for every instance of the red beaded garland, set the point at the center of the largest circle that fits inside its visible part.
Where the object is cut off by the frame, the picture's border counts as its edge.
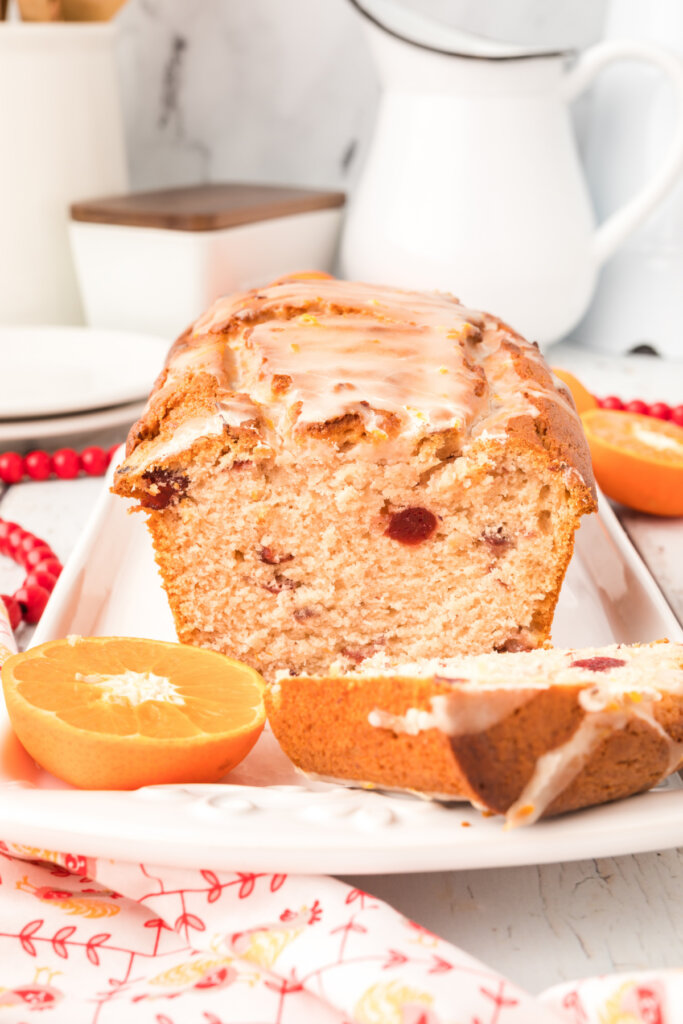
(36, 556)
(32, 601)
(37, 465)
(11, 468)
(661, 411)
(637, 406)
(13, 540)
(41, 578)
(51, 565)
(94, 460)
(611, 402)
(43, 566)
(64, 463)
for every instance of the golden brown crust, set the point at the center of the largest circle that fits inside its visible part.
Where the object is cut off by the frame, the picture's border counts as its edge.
(322, 726)
(554, 430)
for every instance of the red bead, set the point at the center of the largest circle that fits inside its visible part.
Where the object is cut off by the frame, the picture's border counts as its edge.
(66, 463)
(37, 465)
(35, 556)
(677, 415)
(611, 402)
(32, 601)
(94, 460)
(637, 405)
(660, 410)
(11, 468)
(28, 543)
(13, 610)
(14, 541)
(41, 578)
(6, 528)
(51, 565)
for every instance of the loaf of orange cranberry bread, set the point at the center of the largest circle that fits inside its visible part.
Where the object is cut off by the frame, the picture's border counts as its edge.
(526, 735)
(333, 469)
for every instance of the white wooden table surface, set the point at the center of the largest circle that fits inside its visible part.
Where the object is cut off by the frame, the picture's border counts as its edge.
(538, 924)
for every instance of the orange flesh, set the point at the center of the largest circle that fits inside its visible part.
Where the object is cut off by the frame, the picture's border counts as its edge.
(637, 460)
(119, 713)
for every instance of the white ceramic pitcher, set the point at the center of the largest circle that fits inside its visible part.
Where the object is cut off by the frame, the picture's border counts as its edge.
(473, 182)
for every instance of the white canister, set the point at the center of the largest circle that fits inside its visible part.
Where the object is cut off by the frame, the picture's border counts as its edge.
(154, 261)
(62, 137)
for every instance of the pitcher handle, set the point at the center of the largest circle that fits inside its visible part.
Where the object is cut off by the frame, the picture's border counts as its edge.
(619, 225)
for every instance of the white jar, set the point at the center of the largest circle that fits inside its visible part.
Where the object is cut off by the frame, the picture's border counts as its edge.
(154, 261)
(62, 132)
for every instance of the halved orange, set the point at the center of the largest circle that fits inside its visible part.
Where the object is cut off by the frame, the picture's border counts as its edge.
(583, 400)
(637, 460)
(119, 713)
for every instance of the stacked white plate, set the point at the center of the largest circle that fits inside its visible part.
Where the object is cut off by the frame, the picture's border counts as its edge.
(64, 381)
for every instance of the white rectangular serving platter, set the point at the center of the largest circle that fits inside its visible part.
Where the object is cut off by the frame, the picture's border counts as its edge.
(268, 817)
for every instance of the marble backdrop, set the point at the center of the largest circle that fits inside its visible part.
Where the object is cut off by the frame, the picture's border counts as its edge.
(259, 90)
(281, 90)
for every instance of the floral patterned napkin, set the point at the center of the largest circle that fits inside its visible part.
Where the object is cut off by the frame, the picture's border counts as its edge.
(176, 946)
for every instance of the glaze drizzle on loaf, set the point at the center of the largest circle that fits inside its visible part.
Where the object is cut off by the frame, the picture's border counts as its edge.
(344, 362)
(358, 349)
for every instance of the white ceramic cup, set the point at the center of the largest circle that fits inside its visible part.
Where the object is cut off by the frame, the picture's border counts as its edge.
(61, 139)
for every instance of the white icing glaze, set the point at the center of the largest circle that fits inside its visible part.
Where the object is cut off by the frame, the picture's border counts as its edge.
(556, 769)
(232, 411)
(237, 410)
(355, 364)
(413, 722)
(185, 435)
(314, 351)
(461, 713)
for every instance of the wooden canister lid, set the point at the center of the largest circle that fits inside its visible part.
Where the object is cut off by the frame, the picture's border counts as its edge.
(204, 207)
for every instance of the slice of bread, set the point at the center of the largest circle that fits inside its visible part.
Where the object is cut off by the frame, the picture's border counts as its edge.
(526, 735)
(332, 469)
